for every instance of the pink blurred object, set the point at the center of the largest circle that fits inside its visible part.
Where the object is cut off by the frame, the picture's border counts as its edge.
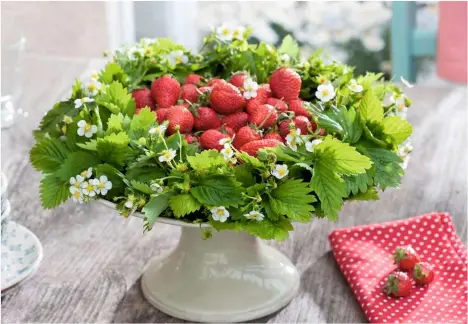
(452, 41)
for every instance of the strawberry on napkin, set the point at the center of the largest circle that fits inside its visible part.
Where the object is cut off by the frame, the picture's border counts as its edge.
(365, 257)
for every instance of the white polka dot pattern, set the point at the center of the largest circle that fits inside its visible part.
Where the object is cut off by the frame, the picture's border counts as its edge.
(364, 255)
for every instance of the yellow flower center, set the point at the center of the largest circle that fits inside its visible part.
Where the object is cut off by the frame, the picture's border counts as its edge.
(228, 150)
(64, 129)
(293, 132)
(401, 107)
(101, 185)
(323, 80)
(90, 187)
(407, 150)
(148, 51)
(178, 59)
(86, 127)
(235, 33)
(325, 92)
(225, 31)
(94, 75)
(76, 185)
(281, 171)
(77, 194)
(91, 87)
(220, 212)
(167, 154)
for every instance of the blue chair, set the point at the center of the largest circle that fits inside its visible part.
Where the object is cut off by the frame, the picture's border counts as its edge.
(407, 41)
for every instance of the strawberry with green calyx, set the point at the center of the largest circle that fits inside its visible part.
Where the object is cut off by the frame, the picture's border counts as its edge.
(203, 95)
(245, 135)
(264, 116)
(279, 104)
(180, 118)
(226, 99)
(235, 120)
(406, 257)
(238, 79)
(423, 273)
(193, 79)
(161, 114)
(210, 139)
(204, 118)
(263, 93)
(143, 98)
(299, 107)
(275, 136)
(300, 122)
(285, 84)
(227, 130)
(190, 138)
(188, 92)
(214, 81)
(165, 91)
(252, 148)
(398, 284)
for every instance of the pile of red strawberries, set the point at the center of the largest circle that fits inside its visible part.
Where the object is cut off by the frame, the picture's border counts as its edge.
(399, 283)
(207, 111)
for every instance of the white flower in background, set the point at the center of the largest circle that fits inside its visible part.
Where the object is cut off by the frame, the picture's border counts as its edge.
(401, 108)
(405, 149)
(227, 152)
(167, 155)
(238, 33)
(129, 204)
(406, 82)
(149, 41)
(93, 87)
(285, 58)
(293, 138)
(325, 92)
(280, 171)
(250, 88)
(254, 215)
(224, 33)
(94, 75)
(88, 188)
(158, 129)
(77, 194)
(76, 181)
(310, 145)
(87, 173)
(135, 52)
(225, 141)
(354, 86)
(80, 102)
(156, 188)
(85, 129)
(102, 185)
(219, 214)
(176, 57)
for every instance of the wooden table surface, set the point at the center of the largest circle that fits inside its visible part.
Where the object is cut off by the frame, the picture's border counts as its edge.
(93, 259)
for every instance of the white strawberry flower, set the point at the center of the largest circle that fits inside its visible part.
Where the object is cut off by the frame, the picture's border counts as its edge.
(225, 141)
(149, 41)
(227, 152)
(102, 185)
(401, 108)
(224, 33)
(87, 188)
(80, 102)
(158, 129)
(87, 173)
(406, 82)
(310, 145)
(255, 215)
(293, 138)
(76, 181)
(129, 204)
(85, 129)
(354, 86)
(219, 214)
(405, 149)
(94, 75)
(77, 194)
(325, 92)
(250, 88)
(93, 87)
(135, 52)
(285, 58)
(176, 57)
(167, 155)
(156, 188)
(280, 171)
(238, 33)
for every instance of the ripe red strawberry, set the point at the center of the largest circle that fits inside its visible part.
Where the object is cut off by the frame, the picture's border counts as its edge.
(189, 92)
(285, 84)
(279, 104)
(214, 81)
(399, 284)
(190, 138)
(205, 89)
(181, 117)
(263, 93)
(143, 98)
(210, 139)
(226, 99)
(423, 273)
(264, 116)
(298, 107)
(193, 79)
(238, 79)
(165, 91)
(227, 130)
(161, 114)
(274, 136)
(235, 120)
(252, 148)
(245, 135)
(300, 122)
(406, 257)
(205, 118)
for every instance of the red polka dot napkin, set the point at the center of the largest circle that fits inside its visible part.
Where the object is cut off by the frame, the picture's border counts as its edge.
(364, 255)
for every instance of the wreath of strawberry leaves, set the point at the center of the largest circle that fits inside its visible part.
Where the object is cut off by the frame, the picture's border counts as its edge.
(119, 151)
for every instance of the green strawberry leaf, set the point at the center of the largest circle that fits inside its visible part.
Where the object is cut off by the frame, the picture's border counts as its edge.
(358, 182)
(206, 160)
(143, 187)
(114, 149)
(113, 72)
(244, 174)
(155, 207)
(117, 100)
(345, 122)
(370, 108)
(289, 46)
(145, 174)
(268, 229)
(370, 194)
(76, 163)
(183, 204)
(386, 167)
(397, 128)
(218, 190)
(48, 154)
(53, 191)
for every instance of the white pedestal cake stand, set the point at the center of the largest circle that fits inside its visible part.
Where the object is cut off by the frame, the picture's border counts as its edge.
(231, 277)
